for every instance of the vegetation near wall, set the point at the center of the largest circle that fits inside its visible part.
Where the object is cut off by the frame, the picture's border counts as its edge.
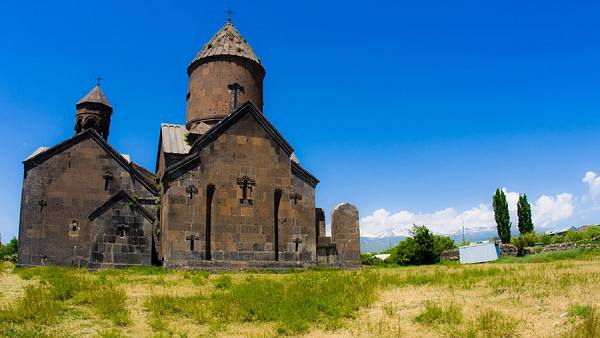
(8, 251)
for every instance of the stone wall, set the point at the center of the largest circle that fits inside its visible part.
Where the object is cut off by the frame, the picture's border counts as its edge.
(508, 250)
(209, 95)
(242, 224)
(568, 246)
(345, 233)
(451, 255)
(60, 193)
(121, 236)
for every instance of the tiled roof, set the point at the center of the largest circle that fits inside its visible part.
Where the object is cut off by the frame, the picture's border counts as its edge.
(96, 96)
(227, 41)
(173, 138)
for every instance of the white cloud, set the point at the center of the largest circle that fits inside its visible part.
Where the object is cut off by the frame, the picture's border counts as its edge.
(445, 221)
(546, 211)
(592, 180)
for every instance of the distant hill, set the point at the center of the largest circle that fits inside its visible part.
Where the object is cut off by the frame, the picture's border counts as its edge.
(378, 244)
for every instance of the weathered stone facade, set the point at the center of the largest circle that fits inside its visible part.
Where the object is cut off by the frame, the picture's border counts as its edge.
(229, 192)
(62, 187)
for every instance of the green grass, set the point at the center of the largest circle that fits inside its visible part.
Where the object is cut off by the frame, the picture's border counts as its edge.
(587, 322)
(578, 310)
(546, 257)
(223, 282)
(489, 323)
(293, 303)
(27, 316)
(435, 314)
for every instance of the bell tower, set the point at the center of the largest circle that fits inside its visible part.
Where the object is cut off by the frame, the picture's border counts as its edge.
(225, 74)
(93, 112)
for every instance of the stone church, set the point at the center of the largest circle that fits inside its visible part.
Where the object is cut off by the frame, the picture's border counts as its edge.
(227, 192)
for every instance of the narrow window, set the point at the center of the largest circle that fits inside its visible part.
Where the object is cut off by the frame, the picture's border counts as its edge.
(210, 191)
(107, 177)
(276, 200)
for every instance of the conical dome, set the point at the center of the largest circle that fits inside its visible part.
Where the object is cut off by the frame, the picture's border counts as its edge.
(95, 96)
(227, 41)
(223, 75)
(93, 112)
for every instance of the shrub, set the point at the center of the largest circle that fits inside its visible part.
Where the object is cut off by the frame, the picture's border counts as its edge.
(418, 249)
(546, 239)
(442, 243)
(370, 259)
(525, 240)
(9, 251)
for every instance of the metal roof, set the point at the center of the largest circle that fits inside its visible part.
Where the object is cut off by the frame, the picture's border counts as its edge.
(173, 138)
(227, 41)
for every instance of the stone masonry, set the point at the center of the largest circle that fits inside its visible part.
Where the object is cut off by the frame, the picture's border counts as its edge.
(228, 193)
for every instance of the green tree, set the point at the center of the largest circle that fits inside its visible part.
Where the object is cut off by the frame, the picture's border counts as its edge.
(9, 251)
(442, 243)
(524, 213)
(416, 250)
(501, 215)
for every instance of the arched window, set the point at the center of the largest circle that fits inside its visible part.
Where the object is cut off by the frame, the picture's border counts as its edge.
(210, 191)
(276, 200)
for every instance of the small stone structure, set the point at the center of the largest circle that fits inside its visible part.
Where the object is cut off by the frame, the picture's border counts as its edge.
(568, 245)
(450, 255)
(345, 233)
(508, 250)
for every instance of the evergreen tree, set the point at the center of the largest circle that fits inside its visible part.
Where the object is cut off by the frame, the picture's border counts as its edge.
(501, 215)
(524, 213)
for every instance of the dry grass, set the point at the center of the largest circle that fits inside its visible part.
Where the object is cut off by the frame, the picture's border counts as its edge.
(512, 299)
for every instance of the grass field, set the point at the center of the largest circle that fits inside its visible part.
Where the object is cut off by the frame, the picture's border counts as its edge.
(547, 295)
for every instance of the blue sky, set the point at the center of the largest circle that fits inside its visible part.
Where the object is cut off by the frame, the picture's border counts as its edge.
(413, 111)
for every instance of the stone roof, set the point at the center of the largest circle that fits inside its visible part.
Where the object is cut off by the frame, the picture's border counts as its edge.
(227, 41)
(95, 96)
(173, 138)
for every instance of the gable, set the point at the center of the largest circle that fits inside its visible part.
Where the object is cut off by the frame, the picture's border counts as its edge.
(247, 108)
(143, 176)
(118, 197)
(247, 112)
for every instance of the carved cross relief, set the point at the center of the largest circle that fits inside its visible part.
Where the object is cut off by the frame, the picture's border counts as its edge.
(296, 197)
(42, 204)
(297, 241)
(191, 190)
(192, 238)
(235, 89)
(246, 185)
(122, 230)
